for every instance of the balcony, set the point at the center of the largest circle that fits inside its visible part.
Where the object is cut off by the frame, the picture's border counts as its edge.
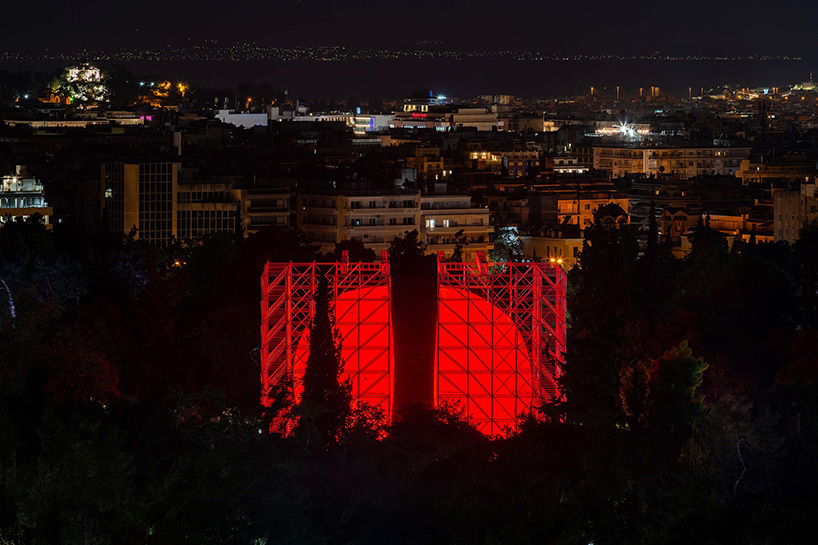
(268, 210)
(452, 229)
(391, 211)
(382, 225)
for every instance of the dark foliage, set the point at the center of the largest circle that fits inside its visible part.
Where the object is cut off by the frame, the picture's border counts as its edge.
(129, 405)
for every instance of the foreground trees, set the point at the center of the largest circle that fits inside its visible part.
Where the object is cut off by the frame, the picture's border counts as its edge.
(129, 407)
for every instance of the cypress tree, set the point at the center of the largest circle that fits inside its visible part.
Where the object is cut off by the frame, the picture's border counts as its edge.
(325, 402)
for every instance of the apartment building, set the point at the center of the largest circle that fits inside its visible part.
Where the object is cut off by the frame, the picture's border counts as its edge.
(560, 246)
(428, 163)
(377, 217)
(756, 172)
(581, 209)
(793, 208)
(22, 196)
(266, 207)
(141, 197)
(517, 163)
(682, 162)
(481, 119)
(208, 208)
(373, 217)
(151, 200)
(444, 216)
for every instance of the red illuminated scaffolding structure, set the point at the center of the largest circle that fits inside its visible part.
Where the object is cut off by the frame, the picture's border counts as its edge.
(500, 338)
(360, 296)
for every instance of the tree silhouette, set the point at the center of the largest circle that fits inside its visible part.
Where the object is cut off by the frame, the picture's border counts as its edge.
(325, 402)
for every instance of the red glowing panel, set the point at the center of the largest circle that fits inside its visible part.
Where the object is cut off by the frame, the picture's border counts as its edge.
(363, 320)
(482, 363)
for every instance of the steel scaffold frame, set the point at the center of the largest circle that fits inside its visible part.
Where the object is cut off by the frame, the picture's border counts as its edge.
(287, 308)
(488, 376)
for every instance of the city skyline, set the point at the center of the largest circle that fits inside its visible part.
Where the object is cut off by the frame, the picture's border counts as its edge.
(387, 272)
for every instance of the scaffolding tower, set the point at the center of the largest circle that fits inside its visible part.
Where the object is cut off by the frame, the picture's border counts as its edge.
(360, 296)
(500, 339)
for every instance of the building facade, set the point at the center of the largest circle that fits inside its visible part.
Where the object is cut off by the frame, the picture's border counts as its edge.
(22, 196)
(756, 172)
(141, 198)
(208, 208)
(150, 200)
(375, 218)
(793, 208)
(449, 220)
(372, 217)
(682, 162)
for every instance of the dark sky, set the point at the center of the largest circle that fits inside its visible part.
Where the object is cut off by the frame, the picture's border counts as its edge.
(784, 27)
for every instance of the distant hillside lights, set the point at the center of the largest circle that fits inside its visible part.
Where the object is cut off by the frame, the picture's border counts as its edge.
(81, 86)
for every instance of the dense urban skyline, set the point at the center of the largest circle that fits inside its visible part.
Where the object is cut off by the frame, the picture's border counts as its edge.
(504, 273)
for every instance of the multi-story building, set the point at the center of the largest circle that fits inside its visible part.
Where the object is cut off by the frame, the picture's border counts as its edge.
(22, 196)
(444, 217)
(438, 119)
(479, 118)
(793, 208)
(364, 123)
(756, 172)
(150, 200)
(576, 203)
(522, 162)
(428, 163)
(564, 164)
(689, 162)
(141, 197)
(266, 207)
(372, 217)
(376, 217)
(683, 162)
(208, 208)
(581, 209)
(742, 226)
(561, 246)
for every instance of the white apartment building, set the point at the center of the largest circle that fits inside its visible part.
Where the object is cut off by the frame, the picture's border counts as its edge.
(376, 218)
(682, 162)
(22, 196)
(364, 123)
(444, 216)
(479, 118)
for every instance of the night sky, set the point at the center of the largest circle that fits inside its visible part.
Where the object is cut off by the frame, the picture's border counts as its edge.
(592, 26)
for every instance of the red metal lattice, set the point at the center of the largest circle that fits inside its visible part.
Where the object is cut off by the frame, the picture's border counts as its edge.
(360, 301)
(500, 338)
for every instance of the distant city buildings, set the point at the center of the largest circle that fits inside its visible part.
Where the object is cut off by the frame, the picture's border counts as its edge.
(22, 196)
(682, 161)
(466, 174)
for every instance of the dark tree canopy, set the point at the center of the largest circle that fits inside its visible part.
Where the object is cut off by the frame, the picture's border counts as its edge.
(325, 401)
